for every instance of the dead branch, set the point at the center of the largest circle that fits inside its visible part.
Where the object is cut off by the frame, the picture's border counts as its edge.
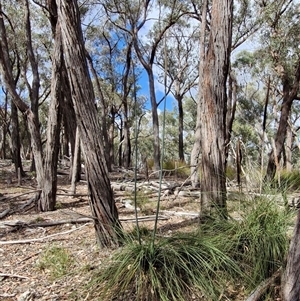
(17, 196)
(261, 289)
(13, 276)
(41, 239)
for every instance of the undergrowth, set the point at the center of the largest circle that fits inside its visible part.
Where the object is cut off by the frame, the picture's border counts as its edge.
(199, 265)
(56, 260)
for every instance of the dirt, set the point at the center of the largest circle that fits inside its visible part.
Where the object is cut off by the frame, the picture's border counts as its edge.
(21, 276)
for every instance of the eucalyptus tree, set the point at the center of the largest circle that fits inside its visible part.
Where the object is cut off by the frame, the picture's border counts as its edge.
(46, 180)
(106, 222)
(281, 32)
(212, 104)
(180, 57)
(133, 17)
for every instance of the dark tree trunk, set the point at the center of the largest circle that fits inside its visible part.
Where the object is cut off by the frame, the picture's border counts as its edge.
(180, 130)
(213, 104)
(107, 225)
(290, 279)
(15, 140)
(126, 144)
(4, 128)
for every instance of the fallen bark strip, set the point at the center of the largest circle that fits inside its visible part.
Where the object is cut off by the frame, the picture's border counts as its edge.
(41, 239)
(13, 276)
(262, 288)
(4, 213)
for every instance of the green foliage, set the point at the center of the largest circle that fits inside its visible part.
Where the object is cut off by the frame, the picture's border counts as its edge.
(56, 260)
(260, 241)
(178, 168)
(289, 180)
(175, 268)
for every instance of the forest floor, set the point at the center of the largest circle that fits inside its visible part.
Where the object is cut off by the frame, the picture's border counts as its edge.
(25, 276)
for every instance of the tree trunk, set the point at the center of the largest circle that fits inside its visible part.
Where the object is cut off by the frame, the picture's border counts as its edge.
(4, 130)
(180, 130)
(107, 225)
(288, 150)
(47, 200)
(15, 140)
(290, 279)
(213, 104)
(155, 121)
(289, 93)
(197, 144)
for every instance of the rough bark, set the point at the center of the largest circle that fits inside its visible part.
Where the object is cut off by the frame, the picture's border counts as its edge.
(290, 279)
(47, 200)
(213, 104)
(107, 225)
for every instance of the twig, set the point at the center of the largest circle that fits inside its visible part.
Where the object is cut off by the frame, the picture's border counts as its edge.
(26, 241)
(13, 276)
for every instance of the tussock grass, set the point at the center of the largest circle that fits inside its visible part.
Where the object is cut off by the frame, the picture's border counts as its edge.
(261, 238)
(174, 268)
(56, 260)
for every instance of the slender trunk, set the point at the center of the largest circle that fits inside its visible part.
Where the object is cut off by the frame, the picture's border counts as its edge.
(4, 129)
(111, 138)
(107, 225)
(15, 140)
(288, 150)
(155, 121)
(102, 110)
(197, 144)
(126, 144)
(180, 130)
(75, 162)
(47, 200)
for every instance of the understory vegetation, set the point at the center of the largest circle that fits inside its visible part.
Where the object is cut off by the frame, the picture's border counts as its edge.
(217, 260)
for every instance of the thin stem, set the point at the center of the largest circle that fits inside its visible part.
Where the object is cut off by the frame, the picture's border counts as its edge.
(163, 142)
(136, 156)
